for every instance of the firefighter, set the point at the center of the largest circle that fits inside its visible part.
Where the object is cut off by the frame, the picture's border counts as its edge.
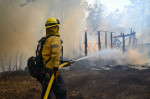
(51, 54)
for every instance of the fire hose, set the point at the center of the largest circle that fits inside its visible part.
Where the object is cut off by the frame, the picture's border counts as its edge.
(52, 77)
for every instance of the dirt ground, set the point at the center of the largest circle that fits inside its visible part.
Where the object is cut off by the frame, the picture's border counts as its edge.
(82, 83)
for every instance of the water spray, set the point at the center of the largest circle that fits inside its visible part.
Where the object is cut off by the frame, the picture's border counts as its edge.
(82, 58)
(105, 54)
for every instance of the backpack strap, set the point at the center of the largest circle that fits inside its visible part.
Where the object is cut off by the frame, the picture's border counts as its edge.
(42, 40)
(42, 48)
(47, 61)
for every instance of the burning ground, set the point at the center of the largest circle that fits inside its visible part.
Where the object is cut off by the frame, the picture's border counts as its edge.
(120, 82)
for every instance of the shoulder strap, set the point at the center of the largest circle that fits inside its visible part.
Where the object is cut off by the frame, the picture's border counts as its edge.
(42, 41)
(42, 48)
(47, 37)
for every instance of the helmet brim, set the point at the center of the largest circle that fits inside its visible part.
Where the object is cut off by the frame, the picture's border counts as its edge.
(52, 25)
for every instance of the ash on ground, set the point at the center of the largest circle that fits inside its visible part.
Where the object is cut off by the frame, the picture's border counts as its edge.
(83, 82)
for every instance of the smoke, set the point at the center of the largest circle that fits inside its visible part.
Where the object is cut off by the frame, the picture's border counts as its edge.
(135, 16)
(20, 29)
(22, 25)
(145, 36)
(1, 1)
(117, 57)
(137, 57)
(94, 18)
(71, 32)
(27, 1)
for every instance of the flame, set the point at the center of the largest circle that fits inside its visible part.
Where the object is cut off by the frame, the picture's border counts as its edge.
(92, 47)
(85, 29)
(133, 52)
(137, 58)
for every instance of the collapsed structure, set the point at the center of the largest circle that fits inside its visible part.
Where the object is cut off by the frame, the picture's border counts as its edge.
(122, 41)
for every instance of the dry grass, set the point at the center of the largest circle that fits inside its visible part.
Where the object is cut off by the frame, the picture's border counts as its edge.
(82, 83)
(19, 85)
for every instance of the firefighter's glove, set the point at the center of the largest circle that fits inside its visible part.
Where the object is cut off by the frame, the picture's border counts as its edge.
(56, 72)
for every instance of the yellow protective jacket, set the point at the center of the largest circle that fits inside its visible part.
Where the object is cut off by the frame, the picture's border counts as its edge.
(52, 48)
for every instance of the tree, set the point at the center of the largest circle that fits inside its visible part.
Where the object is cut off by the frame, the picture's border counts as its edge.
(94, 15)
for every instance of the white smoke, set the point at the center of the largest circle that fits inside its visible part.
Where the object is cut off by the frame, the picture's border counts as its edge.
(22, 25)
(117, 57)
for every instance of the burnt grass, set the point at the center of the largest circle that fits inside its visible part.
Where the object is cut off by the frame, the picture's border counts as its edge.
(82, 83)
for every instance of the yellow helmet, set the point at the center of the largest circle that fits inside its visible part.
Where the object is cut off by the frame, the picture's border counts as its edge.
(51, 22)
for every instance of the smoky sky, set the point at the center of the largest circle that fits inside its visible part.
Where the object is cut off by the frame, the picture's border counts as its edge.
(27, 1)
(22, 26)
(135, 16)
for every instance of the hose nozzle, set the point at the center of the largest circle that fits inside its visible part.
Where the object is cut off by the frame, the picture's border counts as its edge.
(71, 62)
